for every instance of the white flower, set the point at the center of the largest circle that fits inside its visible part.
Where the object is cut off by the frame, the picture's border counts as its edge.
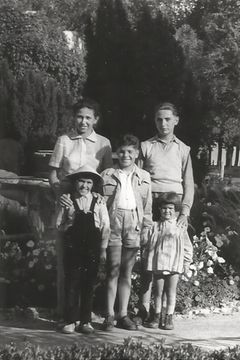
(31, 264)
(49, 267)
(214, 256)
(221, 260)
(189, 273)
(207, 229)
(196, 283)
(209, 263)
(36, 252)
(209, 204)
(210, 270)
(41, 287)
(231, 282)
(193, 267)
(30, 244)
(200, 265)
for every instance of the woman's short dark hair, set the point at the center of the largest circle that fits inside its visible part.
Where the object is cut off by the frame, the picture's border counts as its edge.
(88, 103)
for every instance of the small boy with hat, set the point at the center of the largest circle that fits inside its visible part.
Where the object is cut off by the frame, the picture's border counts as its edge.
(86, 229)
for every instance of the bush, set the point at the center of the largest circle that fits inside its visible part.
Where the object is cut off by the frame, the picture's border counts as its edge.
(129, 350)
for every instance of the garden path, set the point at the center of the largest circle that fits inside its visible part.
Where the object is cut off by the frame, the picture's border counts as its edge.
(209, 332)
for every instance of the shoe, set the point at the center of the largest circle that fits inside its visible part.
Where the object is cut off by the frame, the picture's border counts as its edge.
(86, 328)
(68, 328)
(108, 323)
(126, 323)
(162, 318)
(154, 323)
(169, 322)
(142, 316)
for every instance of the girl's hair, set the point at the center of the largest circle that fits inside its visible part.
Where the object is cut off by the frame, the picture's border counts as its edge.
(169, 198)
(128, 140)
(88, 103)
(166, 106)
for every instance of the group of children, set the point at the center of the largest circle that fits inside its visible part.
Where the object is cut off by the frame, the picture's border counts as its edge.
(143, 207)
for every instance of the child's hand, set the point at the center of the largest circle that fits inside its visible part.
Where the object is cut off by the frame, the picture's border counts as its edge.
(99, 197)
(144, 238)
(65, 201)
(182, 221)
(103, 256)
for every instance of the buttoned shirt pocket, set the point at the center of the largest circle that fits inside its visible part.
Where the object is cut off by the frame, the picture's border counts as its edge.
(143, 188)
(109, 187)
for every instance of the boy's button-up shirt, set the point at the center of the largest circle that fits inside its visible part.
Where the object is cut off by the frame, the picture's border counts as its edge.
(72, 151)
(141, 185)
(126, 197)
(170, 168)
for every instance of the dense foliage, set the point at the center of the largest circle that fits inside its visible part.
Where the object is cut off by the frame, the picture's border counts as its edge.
(29, 41)
(129, 350)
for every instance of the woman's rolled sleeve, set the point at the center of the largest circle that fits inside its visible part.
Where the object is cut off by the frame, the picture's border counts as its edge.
(57, 155)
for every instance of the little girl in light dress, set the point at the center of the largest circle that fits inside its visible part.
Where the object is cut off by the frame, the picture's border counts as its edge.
(168, 254)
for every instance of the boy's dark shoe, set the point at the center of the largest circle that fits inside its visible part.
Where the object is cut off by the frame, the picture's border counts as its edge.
(154, 323)
(85, 328)
(142, 316)
(169, 322)
(108, 323)
(126, 323)
(163, 318)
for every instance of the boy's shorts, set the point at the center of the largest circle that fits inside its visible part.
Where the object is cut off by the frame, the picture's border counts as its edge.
(125, 229)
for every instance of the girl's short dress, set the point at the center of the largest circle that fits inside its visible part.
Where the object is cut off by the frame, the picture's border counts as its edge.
(165, 250)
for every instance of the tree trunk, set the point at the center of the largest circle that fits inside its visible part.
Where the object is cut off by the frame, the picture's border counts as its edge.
(229, 155)
(219, 153)
(237, 155)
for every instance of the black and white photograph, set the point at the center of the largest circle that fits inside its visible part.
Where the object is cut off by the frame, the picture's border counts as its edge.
(119, 179)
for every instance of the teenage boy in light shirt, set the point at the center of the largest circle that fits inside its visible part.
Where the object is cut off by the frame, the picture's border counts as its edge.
(127, 190)
(168, 161)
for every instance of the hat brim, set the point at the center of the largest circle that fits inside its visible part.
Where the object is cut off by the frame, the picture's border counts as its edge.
(97, 179)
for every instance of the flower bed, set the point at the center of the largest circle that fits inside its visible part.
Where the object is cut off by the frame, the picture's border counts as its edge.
(129, 350)
(28, 270)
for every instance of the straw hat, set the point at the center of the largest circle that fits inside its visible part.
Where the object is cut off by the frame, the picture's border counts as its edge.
(87, 172)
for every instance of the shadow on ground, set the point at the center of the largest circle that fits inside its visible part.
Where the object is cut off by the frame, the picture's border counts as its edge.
(211, 332)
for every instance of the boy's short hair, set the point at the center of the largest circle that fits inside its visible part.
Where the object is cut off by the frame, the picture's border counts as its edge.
(128, 140)
(166, 106)
(88, 103)
(169, 198)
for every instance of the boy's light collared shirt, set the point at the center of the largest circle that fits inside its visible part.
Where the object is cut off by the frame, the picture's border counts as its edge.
(84, 202)
(72, 151)
(126, 197)
(170, 168)
(141, 185)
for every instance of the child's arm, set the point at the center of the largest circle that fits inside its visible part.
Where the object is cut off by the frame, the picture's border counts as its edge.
(188, 252)
(65, 217)
(147, 214)
(104, 227)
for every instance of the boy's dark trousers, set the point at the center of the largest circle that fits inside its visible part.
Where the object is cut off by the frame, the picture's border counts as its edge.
(81, 261)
